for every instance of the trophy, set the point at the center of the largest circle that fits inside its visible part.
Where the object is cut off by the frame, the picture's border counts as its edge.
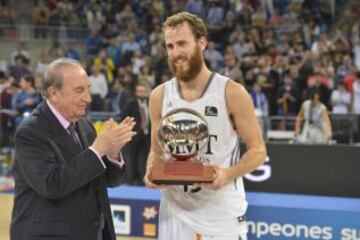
(181, 134)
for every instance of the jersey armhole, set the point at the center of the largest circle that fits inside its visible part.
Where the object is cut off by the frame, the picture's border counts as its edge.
(229, 118)
(162, 93)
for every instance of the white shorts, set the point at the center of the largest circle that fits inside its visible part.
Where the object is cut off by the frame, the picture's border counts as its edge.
(170, 227)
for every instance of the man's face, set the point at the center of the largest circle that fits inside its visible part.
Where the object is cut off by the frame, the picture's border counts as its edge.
(24, 84)
(74, 96)
(140, 92)
(185, 54)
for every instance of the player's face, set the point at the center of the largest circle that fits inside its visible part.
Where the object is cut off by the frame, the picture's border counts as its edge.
(185, 54)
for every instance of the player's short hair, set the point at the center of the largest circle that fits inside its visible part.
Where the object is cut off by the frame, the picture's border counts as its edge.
(197, 25)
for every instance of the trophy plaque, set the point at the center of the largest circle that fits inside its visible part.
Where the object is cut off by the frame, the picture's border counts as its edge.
(181, 134)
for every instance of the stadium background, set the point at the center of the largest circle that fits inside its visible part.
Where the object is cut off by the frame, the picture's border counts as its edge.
(258, 43)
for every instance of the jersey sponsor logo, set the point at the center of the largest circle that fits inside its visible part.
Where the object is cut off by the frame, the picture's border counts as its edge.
(209, 149)
(189, 148)
(211, 111)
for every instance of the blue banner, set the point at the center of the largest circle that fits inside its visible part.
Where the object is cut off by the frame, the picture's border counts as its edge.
(270, 216)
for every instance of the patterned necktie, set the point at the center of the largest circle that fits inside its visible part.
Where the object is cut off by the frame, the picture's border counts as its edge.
(72, 130)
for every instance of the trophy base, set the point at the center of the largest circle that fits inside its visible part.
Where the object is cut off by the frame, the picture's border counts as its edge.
(181, 173)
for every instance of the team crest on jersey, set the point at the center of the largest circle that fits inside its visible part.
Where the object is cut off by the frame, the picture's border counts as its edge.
(211, 111)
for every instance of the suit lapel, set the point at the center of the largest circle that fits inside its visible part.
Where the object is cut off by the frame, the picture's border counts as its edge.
(57, 132)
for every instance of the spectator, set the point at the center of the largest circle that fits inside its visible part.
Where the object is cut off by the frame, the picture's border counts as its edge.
(323, 45)
(345, 68)
(260, 100)
(147, 78)
(55, 51)
(317, 126)
(138, 61)
(213, 57)
(72, 52)
(276, 18)
(356, 51)
(106, 65)
(130, 46)
(356, 94)
(241, 47)
(93, 43)
(125, 16)
(26, 101)
(259, 18)
(283, 46)
(160, 65)
(42, 63)
(19, 69)
(138, 149)
(98, 89)
(120, 97)
(113, 51)
(287, 97)
(8, 90)
(340, 100)
(40, 18)
(20, 51)
(215, 15)
(156, 35)
(236, 34)
(7, 15)
(232, 69)
(195, 6)
(319, 83)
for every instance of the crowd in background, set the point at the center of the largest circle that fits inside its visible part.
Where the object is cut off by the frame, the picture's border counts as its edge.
(280, 50)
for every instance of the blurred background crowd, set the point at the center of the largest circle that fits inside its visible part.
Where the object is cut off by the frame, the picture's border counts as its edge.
(282, 51)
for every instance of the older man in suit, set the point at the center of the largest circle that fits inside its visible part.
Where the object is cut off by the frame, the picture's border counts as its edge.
(61, 167)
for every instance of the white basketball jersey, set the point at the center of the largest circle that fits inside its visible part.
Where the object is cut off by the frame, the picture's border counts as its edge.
(207, 211)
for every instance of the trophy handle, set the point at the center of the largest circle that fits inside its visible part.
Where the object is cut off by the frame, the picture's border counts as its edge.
(187, 110)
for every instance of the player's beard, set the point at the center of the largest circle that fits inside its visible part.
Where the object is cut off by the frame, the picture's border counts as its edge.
(190, 69)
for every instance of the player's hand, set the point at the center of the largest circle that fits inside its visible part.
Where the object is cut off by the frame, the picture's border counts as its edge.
(149, 183)
(221, 178)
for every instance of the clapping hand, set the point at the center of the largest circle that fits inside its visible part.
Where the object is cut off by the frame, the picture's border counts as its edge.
(114, 137)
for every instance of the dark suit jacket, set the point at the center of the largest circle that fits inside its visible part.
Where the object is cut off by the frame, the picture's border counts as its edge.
(60, 190)
(132, 109)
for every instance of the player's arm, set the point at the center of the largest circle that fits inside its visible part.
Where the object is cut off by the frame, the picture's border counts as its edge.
(155, 103)
(298, 121)
(327, 124)
(242, 113)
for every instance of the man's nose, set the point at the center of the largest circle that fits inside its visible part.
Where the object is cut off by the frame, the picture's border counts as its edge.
(87, 96)
(175, 53)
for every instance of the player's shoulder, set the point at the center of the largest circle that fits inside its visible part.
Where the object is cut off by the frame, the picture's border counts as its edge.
(160, 89)
(234, 89)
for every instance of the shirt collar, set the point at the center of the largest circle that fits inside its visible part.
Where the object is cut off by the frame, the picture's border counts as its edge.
(65, 123)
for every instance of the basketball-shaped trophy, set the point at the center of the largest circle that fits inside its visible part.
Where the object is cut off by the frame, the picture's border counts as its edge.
(182, 134)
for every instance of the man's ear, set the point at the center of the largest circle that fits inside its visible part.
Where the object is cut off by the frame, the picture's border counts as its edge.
(53, 94)
(203, 43)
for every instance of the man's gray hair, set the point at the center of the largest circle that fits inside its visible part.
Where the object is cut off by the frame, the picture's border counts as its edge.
(54, 76)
